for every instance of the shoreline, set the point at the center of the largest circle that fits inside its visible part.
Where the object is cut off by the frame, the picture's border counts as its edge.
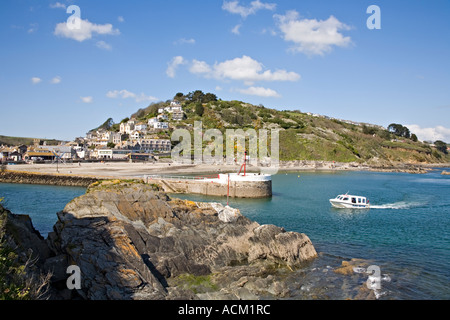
(87, 173)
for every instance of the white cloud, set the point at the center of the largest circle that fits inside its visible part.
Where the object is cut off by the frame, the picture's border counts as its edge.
(185, 41)
(235, 30)
(125, 94)
(57, 5)
(173, 65)
(199, 67)
(260, 91)
(87, 99)
(56, 80)
(86, 30)
(103, 45)
(36, 80)
(244, 69)
(235, 8)
(120, 19)
(33, 28)
(311, 36)
(430, 134)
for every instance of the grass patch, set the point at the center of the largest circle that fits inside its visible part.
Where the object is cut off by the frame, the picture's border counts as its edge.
(197, 284)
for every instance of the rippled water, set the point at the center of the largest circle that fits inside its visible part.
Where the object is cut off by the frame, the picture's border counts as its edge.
(405, 233)
(40, 202)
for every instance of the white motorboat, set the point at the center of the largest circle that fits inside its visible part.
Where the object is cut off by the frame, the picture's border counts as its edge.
(350, 202)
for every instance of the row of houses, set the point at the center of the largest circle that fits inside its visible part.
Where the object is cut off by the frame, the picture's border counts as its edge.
(79, 150)
(36, 152)
(137, 135)
(134, 138)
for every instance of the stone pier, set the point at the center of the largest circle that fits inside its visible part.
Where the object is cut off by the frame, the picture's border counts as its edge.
(236, 186)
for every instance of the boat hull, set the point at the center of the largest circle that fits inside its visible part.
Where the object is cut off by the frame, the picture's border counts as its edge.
(345, 205)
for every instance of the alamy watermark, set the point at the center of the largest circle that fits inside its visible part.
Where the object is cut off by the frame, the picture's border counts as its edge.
(74, 21)
(207, 147)
(74, 280)
(374, 21)
(374, 280)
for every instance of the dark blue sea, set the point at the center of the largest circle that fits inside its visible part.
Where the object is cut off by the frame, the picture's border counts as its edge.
(406, 233)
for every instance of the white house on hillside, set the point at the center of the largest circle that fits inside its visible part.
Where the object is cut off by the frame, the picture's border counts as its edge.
(127, 127)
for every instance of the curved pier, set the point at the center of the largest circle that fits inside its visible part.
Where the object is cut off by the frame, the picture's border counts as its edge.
(249, 185)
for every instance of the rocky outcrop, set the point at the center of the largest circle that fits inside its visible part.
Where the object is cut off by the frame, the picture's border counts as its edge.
(133, 242)
(17, 233)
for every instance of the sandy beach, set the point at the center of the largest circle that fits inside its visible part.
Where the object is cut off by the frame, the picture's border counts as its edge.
(132, 170)
(121, 170)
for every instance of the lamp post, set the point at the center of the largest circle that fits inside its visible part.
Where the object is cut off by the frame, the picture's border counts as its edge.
(57, 160)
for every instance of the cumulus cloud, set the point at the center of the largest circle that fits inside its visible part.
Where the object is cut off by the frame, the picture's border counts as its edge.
(120, 19)
(311, 36)
(56, 80)
(125, 94)
(235, 8)
(36, 80)
(86, 31)
(236, 28)
(430, 134)
(185, 41)
(200, 67)
(57, 5)
(103, 45)
(173, 65)
(88, 99)
(33, 28)
(244, 69)
(260, 92)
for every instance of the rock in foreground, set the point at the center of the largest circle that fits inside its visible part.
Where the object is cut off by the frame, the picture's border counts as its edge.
(133, 242)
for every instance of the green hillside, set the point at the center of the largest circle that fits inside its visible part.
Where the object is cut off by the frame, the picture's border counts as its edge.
(16, 141)
(304, 136)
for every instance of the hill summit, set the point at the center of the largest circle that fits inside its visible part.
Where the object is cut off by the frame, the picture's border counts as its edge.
(303, 136)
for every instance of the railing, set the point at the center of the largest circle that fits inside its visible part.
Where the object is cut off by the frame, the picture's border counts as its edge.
(166, 177)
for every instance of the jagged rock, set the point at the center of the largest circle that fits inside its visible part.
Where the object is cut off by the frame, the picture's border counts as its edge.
(131, 242)
(19, 234)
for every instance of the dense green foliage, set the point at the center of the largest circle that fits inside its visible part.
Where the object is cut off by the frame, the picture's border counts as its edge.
(304, 136)
(12, 275)
(17, 141)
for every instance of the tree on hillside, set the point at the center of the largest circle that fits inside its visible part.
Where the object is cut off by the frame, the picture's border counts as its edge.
(199, 109)
(179, 97)
(209, 97)
(399, 130)
(200, 96)
(441, 146)
(195, 96)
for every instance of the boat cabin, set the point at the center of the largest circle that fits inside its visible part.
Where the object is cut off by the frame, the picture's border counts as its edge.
(352, 199)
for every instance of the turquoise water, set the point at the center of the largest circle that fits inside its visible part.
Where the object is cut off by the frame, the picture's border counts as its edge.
(40, 202)
(405, 233)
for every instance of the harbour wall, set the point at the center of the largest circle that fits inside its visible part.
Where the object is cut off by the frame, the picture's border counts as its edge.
(236, 189)
(45, 179)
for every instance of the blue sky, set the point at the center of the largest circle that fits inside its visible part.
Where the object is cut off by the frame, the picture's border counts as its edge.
(313, 56)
